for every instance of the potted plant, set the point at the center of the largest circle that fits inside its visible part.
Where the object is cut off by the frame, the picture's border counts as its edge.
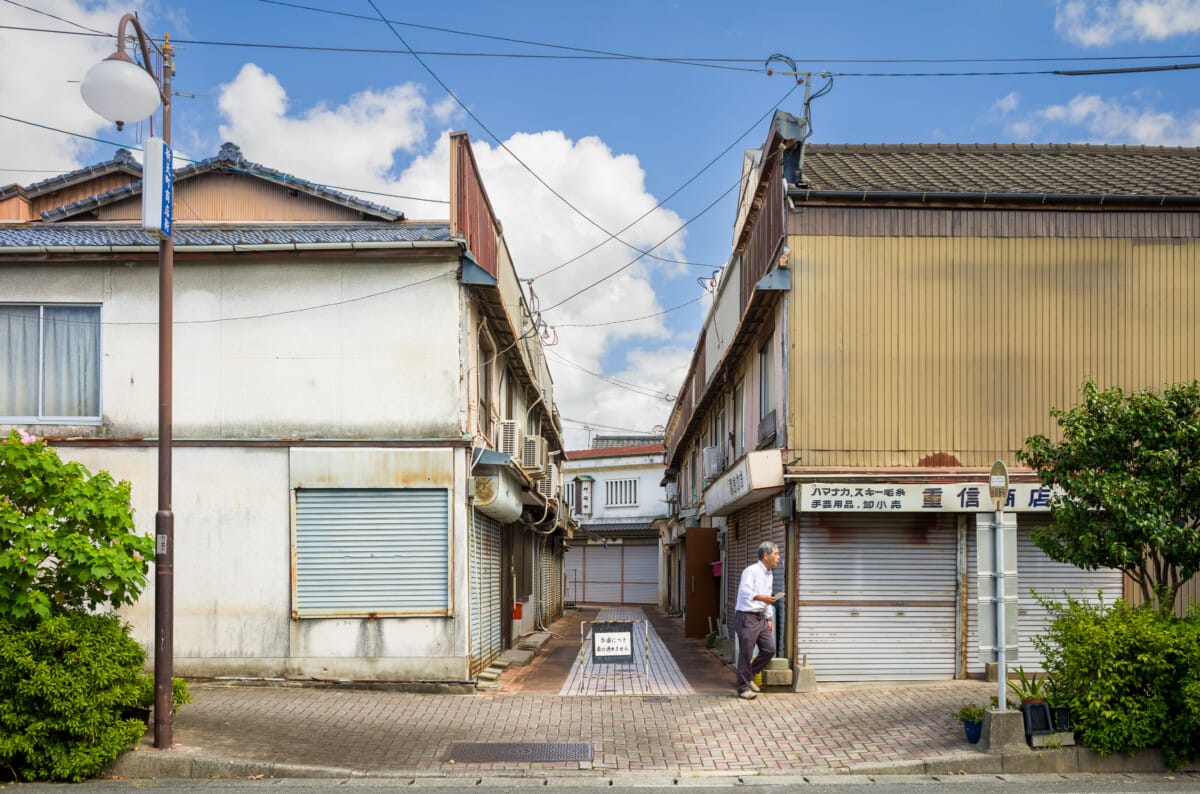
(1031, 690)
(1060, 711)
(971, 716)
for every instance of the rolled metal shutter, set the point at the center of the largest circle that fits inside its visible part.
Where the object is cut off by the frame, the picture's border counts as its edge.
(1053, 580)
(558, 562)
(379, 551)
(877, 596)
(757, 524)
(485, 591)
(573, 566)
(639, 584)
(602, 570)
(545, 604)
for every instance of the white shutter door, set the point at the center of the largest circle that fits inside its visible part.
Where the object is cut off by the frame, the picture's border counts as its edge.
(379, 551)
(603, 574)
(877, 597)
(640, 583)
(1051, 580)
(573, 564)
(485, 591)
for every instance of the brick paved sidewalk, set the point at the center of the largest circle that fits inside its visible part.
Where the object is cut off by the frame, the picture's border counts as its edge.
(374, 732)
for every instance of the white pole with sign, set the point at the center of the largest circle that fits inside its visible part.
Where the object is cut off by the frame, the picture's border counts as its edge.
(997, 553)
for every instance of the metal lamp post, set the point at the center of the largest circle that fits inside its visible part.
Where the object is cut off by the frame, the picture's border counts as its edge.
(123, 91)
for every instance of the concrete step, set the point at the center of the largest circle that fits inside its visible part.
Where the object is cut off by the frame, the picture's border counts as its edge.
(517, 657)
(535, 641)
(489, 674)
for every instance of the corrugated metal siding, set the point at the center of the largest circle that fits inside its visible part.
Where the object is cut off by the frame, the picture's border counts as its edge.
(877, 596)
(380, 552)
(754, 525)
(911, 222)
(1190, 592)
(485, 591)
(907, 347)
(471, 215)
(545, 548)
(236, 197)
(766, 235)
(83, 190)
(602, 583)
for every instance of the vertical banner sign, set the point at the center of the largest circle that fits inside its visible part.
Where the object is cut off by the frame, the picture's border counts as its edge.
(158, 186)
(612, 642)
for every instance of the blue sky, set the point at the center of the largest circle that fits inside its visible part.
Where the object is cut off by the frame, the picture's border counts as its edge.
(613, 136)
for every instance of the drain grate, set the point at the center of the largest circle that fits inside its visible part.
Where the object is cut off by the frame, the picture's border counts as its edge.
(656, 699)
(485, 752)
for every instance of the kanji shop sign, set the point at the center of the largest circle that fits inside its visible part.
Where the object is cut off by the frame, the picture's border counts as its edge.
(960, 497)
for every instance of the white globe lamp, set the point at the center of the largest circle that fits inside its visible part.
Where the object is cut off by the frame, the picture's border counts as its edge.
(120, 90)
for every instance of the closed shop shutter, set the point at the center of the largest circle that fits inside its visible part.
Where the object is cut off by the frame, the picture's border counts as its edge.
(640, 576)
(602, 572)
(1037, 572)
(557, 582)
(545, 603)
(877, 596)
(573, 564)
(485, 591)
(1053, 580)
(378, 551)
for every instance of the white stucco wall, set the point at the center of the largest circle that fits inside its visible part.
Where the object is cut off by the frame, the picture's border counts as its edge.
(647, 469)
(233, 540)
(274, 349)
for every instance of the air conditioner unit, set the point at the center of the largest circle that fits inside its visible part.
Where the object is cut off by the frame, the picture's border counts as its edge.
(534, 457)
(714, 462)
(547, 486)
(509, 436)
(673, 492)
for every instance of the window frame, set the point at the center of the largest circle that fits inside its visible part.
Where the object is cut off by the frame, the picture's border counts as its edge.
(40, 417)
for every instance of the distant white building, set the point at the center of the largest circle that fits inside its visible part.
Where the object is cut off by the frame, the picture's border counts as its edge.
(616, 495)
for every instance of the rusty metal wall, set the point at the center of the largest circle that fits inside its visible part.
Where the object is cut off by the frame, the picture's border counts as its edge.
(236, 197)
(471, 215)
(950, 351)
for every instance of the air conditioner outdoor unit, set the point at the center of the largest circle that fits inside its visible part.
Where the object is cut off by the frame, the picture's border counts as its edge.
(509, 437)
(714, 463)
(547, 486)
(535, 456)
(672, 492)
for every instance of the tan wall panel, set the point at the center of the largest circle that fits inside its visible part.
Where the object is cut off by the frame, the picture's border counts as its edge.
(951, 351)
(228, 198)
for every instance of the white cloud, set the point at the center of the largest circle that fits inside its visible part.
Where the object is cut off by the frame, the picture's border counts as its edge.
(1007, 104)
(41, 84)
(1096, 23)
(360, 143)
(1097, 119)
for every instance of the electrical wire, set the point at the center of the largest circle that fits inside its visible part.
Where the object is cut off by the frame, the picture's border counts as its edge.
(598, 426)
(645, 391)
(677, 190)
(504, 146)
(59, 19)
(696, 299)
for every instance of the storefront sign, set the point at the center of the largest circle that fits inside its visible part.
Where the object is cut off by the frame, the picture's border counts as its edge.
(961, 497)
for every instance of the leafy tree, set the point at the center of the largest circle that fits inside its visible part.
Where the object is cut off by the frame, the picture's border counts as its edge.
(66, 535)
(1128, 467)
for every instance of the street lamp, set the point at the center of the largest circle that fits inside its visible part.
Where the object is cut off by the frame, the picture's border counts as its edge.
(122, 91)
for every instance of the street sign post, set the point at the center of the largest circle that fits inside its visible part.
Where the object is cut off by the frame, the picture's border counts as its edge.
(997, 577)
(158, 185)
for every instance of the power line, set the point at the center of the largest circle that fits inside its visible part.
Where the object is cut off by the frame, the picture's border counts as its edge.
(599, 426)
(645, 391)
(503, 145)
(696, 299)
(281, 178)
(59, 19)
(677, 190)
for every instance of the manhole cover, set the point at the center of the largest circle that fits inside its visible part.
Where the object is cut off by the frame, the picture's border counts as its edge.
(484, 753)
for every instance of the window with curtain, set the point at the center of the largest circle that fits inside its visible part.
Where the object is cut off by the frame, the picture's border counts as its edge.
(50, 358)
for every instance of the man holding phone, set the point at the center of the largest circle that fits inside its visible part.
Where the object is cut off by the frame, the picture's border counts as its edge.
(752, 622)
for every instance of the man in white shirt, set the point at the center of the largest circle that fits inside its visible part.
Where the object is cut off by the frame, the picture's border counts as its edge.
(752, 621)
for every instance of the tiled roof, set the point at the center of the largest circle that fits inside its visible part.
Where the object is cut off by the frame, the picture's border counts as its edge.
(228, 159)
(122, 161)
(1051, 169)
(615, 452)
(617, 530)
(104, 235)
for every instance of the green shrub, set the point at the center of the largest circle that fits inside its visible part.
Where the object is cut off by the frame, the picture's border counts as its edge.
(65, 683)
(1131, 676)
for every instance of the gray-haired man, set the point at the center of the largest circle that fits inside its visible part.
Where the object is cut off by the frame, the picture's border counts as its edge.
(751, 622)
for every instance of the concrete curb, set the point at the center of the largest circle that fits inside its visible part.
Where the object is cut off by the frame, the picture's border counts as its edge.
(146, 763)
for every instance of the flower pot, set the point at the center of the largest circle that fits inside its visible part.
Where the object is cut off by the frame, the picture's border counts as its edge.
(1061, 718)
(1037, 717)
(973, 729)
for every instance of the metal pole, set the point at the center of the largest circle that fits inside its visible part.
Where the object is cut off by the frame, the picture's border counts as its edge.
(164, 519)
(1001, 631)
